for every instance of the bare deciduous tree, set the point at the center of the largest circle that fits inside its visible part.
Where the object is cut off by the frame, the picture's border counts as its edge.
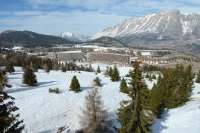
(95, 117)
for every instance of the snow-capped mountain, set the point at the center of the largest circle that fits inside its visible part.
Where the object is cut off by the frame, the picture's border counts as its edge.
(72, 37)
(171, 25)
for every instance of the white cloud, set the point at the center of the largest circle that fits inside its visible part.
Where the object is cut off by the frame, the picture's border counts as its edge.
(27, 13)
(86, 23)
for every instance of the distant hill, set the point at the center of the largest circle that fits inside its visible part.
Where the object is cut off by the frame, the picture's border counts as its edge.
(108, 42)
(28, 38)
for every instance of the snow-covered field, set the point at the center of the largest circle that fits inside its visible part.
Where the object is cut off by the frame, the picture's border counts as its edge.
(45, 112)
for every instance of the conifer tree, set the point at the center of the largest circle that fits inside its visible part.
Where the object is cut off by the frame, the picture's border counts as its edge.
(167, 87)
(198, 77)
(123, 86)
(153, 76)
(97, 82)
(29, 77)
(98, 69)
(189, 78)
(115, 74)
(95, 117)
(177, 85)
(46, 68)
(133, 114)
(182, 86)
(156, 101)
(75, 86)
(63, 69)
(10, 68)
(110, 71)
(8, 121)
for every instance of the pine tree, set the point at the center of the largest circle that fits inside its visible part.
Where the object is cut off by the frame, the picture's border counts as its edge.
(63, 69)
(110, 72)
(182, 85)
(8, 121)
(97, 82)
(153, 76)
(10, 68)
(46, 68)
(133, 114)
(167, 86)
(75, 86)
(123, 86)
(95, 117)
(189, 78)
(156, 101)
(98, 69)
(198, 77)
(115, 74)
(29, 77)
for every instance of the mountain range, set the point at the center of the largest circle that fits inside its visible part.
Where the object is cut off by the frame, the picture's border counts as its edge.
(161, 27)
(172, 29)
(26, 38)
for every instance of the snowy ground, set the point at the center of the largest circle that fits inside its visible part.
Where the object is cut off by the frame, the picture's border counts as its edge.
(45, 112)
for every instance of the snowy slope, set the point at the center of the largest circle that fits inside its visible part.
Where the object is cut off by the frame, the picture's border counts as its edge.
(45, 112)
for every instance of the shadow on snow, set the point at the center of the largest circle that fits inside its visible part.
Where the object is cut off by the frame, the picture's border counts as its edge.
(40, 84)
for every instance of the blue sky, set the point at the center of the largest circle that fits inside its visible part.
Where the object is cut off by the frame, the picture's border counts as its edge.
(85, 17)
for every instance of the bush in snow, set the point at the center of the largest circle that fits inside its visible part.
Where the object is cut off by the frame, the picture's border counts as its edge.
(97, 82)
(63, 69)
(56, 90)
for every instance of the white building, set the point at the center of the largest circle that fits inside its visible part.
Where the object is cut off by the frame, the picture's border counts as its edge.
(71, 55)
(18, 49)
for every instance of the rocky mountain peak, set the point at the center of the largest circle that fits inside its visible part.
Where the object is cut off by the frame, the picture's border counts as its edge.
(171, 25)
